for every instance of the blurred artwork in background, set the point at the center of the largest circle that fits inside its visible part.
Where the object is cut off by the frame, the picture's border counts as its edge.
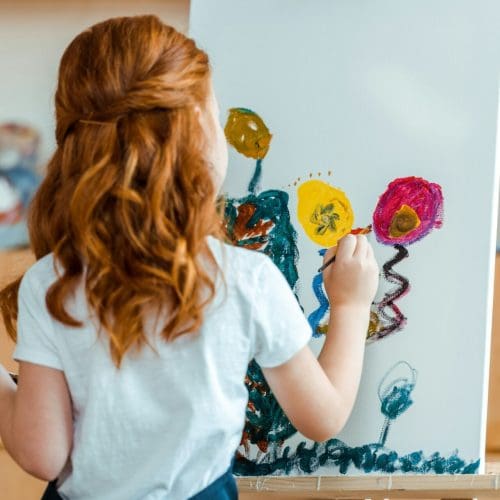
(18, 181)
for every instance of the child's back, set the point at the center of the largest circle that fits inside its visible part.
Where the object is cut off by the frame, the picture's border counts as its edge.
(136, 325)
(167, 422)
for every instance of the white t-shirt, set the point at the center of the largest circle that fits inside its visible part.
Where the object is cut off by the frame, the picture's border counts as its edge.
(166, 424)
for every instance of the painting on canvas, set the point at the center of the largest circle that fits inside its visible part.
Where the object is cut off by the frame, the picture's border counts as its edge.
(348, 118)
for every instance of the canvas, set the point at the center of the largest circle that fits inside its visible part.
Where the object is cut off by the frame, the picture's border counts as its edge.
(374, 117)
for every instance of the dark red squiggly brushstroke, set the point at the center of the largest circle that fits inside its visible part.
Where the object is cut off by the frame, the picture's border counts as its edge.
(398, 320)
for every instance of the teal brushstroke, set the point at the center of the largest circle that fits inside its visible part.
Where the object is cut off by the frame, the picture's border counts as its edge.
(245, 111)
(266, 424)
(395, 396)
(280, 243)
(255, 180)
(341, 458)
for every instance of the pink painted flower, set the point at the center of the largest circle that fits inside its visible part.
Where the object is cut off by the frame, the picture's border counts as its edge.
(407, 211)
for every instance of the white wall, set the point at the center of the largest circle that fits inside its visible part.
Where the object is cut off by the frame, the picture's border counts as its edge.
(33, 36)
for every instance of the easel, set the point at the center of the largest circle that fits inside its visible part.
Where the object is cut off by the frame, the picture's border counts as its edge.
(456, 487)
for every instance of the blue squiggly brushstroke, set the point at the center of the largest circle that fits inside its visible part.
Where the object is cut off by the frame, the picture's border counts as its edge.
(318, 314)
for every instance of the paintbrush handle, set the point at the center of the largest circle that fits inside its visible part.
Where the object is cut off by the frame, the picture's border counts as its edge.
(360, 230)
(326, 264)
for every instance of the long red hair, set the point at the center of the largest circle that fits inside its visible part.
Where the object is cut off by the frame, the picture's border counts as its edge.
(128, 201)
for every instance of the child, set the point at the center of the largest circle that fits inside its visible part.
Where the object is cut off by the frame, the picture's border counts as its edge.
(136, 324)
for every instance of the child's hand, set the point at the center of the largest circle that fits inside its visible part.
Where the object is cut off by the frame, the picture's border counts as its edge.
(351, 280)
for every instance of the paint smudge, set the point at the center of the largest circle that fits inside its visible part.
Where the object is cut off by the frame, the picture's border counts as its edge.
(324, 212)
(374, 324)
(408, 210)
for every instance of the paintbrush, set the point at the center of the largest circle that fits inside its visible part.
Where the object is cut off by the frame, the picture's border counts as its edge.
(359, 230)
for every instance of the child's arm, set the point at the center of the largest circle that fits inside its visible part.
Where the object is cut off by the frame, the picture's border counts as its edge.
(36, 424)
(318, 394)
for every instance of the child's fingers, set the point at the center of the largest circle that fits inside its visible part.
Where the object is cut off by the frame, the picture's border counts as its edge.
(361, 244)
(346, 247)
(369, 251)
(371, 258)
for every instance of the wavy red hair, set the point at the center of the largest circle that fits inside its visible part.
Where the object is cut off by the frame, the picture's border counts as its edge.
(128, 200)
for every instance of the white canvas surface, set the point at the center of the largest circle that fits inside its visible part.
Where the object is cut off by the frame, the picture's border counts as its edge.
(374, 91)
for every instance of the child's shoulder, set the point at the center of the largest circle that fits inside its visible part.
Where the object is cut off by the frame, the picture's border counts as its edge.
(238, 260)
(42, 272)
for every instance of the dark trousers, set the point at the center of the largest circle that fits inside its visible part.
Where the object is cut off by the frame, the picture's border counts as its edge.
(223, 488)
(50, 492)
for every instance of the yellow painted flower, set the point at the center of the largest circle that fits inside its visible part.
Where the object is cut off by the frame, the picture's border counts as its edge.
(324, 212)
(247, 133)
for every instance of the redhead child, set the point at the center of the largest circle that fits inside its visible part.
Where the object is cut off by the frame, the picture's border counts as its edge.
(136, 324)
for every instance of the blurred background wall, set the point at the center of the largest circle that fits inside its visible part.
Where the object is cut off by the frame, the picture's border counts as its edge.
(33, 36)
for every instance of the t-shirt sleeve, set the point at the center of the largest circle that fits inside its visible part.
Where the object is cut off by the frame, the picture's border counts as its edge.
(280, 327)
(36, 341)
